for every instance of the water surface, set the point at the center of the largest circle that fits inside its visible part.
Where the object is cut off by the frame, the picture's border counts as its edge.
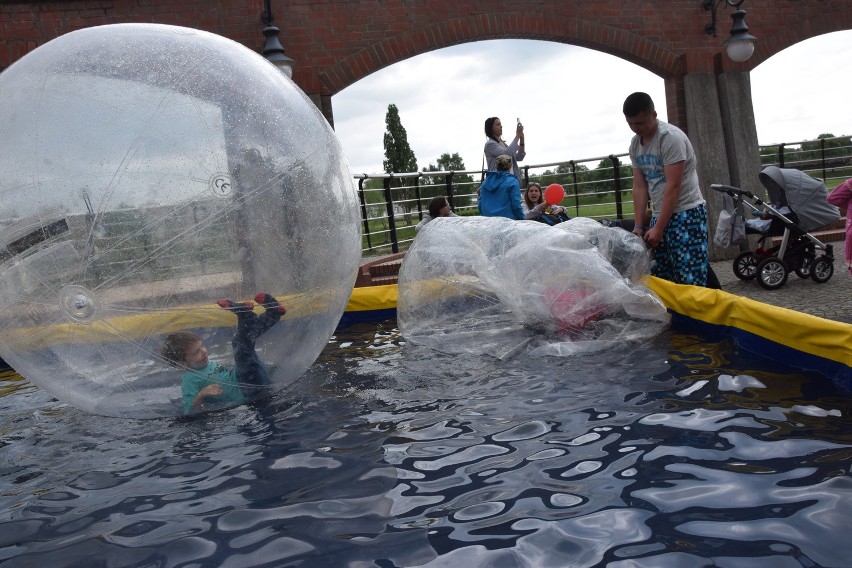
(680, 453)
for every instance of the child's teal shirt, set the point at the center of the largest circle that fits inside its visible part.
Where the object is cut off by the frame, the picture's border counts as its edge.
(192, 381)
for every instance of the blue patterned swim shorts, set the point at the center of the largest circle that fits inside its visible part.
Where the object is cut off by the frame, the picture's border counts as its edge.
(681, 256)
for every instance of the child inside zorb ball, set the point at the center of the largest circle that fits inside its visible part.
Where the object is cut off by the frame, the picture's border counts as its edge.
(207, 385)
(139, 186)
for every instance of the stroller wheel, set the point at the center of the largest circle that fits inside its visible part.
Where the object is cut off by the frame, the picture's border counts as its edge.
(804, 269)
(745, 266)
(771, 273)
(822, 270)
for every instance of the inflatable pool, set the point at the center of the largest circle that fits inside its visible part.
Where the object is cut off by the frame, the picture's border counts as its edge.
(800, 340)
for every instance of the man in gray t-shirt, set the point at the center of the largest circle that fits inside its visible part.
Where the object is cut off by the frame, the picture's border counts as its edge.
(664, 173)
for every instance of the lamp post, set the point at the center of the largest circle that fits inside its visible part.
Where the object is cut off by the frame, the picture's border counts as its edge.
(272, 48)
(740, 45)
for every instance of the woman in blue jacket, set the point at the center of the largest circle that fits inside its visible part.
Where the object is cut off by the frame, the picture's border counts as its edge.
(500, 194)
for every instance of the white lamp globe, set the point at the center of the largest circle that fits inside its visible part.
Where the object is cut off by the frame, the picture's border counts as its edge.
(740, 50)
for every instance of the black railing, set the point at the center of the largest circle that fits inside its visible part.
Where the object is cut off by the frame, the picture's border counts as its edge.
(595, 187)
(599, 188)
(829, 159)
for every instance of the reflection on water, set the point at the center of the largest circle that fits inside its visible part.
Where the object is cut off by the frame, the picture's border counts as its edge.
(682, 453)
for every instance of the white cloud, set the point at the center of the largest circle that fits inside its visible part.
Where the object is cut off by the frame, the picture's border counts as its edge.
(803, 91)
(569, 99)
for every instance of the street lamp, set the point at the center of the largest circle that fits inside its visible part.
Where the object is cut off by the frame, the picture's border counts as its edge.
(740, 44)
(272, 48)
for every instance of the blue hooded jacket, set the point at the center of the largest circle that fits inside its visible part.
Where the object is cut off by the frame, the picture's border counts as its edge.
(500, 196)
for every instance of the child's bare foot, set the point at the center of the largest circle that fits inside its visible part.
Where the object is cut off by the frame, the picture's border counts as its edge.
(269, 302)
(236, 306)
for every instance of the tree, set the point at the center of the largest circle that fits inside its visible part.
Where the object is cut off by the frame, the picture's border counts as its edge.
(810, 153)
(834, 147)
(563, 175)
(463, 184)
(601, 180)
(399, 158)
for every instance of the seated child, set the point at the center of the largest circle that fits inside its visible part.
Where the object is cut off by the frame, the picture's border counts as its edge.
(537, 209)
(207, 385)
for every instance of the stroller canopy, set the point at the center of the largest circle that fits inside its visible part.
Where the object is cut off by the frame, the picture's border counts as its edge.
(806, 196)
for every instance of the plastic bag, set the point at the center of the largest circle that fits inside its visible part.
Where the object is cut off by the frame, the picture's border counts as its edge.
(730, 229)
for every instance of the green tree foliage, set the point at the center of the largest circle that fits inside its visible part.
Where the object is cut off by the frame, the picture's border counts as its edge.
(601, 180)
(463, 184)
(564, 175)
(810, 153)
(567, 168)
(834, 146)
(598, 183)
(399, 158)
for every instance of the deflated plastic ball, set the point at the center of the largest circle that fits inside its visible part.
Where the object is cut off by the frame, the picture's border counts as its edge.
(148, 172)
(554, 194)
(492, 286)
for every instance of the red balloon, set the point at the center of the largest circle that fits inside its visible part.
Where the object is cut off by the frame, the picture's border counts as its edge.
(554, 194)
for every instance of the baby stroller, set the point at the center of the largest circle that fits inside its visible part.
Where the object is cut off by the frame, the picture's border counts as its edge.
(799, 205)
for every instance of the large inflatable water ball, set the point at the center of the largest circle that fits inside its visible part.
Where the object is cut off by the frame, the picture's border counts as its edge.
(493, 286)
(150, 171)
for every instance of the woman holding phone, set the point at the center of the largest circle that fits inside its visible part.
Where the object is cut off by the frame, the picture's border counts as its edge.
(496, 146)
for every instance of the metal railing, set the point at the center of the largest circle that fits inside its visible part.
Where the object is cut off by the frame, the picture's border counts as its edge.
(829, 159)
(391, 205)
(600, 188)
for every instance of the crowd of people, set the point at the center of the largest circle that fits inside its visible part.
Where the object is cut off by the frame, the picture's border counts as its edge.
(670, 212)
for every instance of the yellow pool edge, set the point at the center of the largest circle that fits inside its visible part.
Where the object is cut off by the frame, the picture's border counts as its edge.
(803, 332)
(811, 335)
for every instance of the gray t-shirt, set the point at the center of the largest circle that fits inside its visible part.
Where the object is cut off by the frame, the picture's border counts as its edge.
(669, 145)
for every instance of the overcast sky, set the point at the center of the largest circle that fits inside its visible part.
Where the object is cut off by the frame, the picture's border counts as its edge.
(569, 99)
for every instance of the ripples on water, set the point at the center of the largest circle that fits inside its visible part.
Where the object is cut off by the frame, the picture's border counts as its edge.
(681, 453)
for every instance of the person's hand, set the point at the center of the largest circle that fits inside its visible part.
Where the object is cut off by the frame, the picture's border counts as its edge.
(556, 210)
(519, 132)
(653, 236)
(211, 390)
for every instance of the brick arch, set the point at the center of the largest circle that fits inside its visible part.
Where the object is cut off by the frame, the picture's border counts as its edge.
(569, 30)
(807, 28)
(337, 42)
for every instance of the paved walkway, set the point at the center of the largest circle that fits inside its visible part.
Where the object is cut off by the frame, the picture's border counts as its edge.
(832, 300)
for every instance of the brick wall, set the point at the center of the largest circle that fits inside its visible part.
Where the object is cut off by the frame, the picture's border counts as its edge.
(337, 42)
(26, 25)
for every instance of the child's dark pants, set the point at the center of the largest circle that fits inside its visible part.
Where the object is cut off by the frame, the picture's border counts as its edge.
(250, 370)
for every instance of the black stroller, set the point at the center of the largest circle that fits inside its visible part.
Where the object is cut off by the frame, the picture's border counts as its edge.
(799, 204)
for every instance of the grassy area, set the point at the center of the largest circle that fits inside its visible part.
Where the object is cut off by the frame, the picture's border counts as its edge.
(600, 210)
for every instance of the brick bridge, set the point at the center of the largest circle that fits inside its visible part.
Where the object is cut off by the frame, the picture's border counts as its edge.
(337, 42)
